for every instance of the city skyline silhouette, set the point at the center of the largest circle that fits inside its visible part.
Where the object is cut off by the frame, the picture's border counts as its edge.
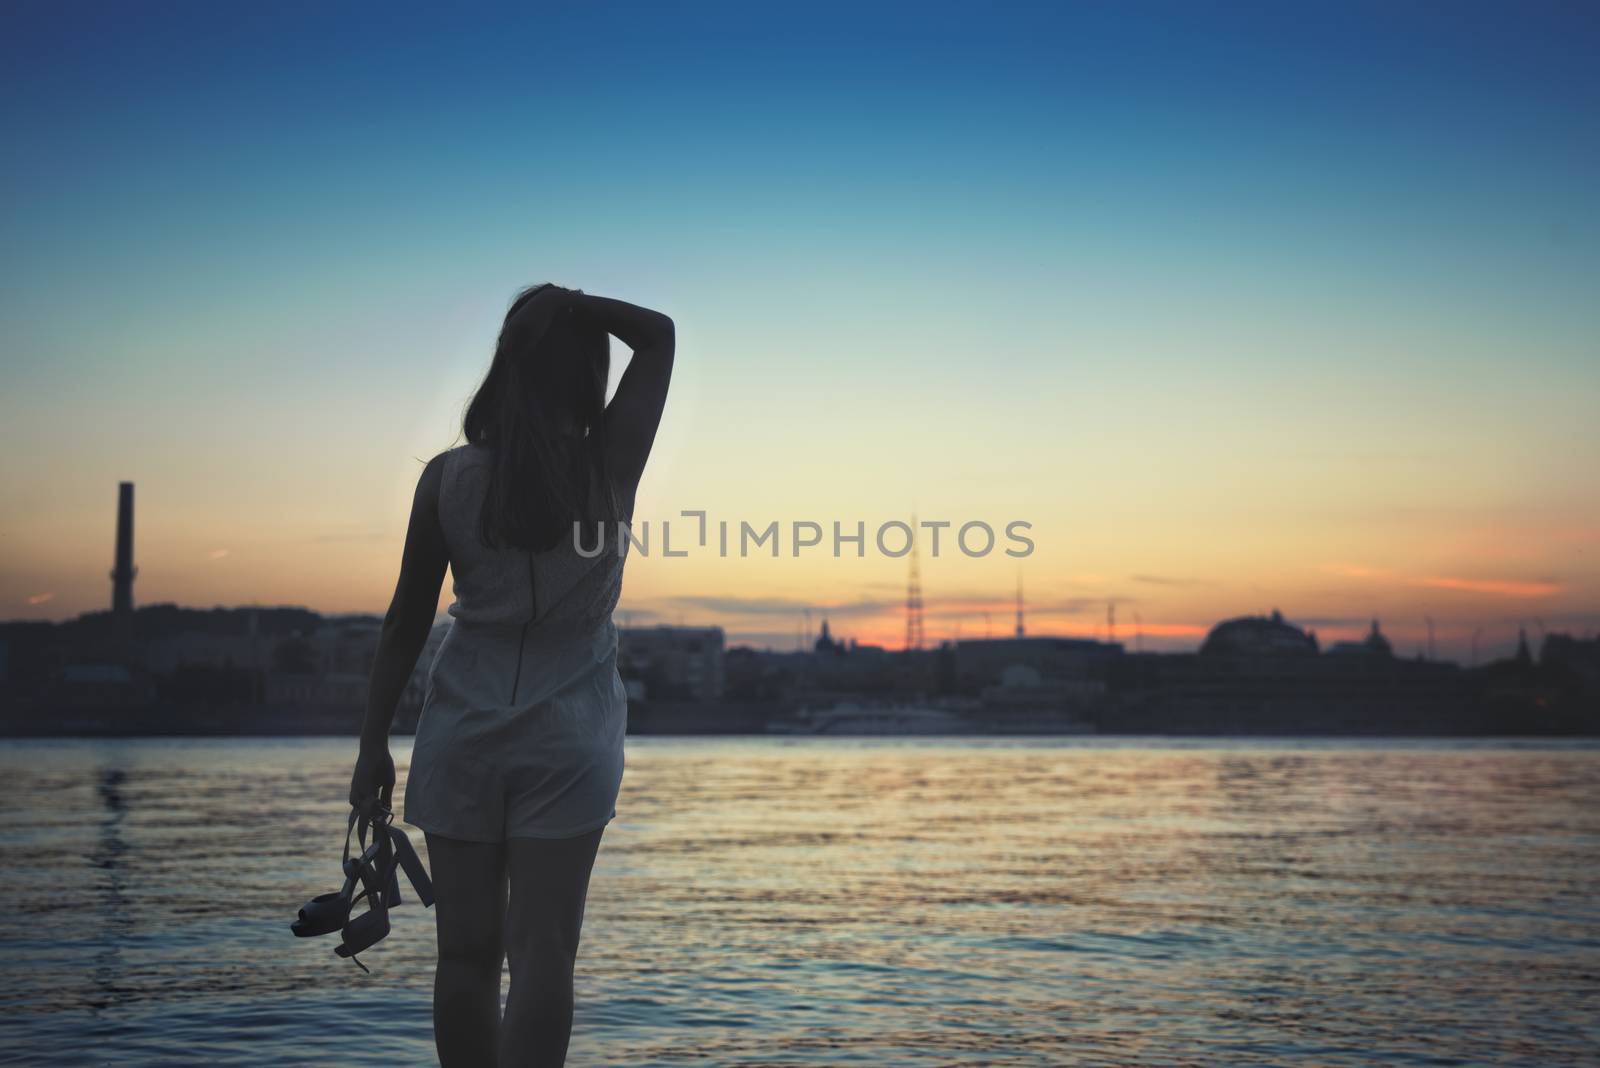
(1137, 635)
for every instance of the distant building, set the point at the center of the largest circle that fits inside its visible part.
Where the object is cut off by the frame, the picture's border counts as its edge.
(343, 689)
(1579, 658)
(761, 674)
(1374, 644)
(980, 663)
(825, 643)
(95, 674)
(1022, 695)
(1524, 657)
(673, 663)
(167, 653)
(347, 644)
(1258, 636)
(103, 684)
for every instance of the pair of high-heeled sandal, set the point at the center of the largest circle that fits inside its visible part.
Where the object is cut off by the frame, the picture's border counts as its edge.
(377, 869)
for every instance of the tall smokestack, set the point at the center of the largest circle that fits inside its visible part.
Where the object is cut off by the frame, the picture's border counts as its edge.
(122, 574)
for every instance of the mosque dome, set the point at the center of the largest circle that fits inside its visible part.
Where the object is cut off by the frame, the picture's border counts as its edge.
(1258, 636)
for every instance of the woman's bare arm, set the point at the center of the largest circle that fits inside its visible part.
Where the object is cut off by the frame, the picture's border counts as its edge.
(404, 634)
(635, 410)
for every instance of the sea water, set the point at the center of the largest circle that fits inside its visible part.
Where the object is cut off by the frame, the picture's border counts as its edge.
(811, 901)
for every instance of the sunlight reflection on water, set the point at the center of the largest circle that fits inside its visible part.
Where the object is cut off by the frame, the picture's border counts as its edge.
(837, 901)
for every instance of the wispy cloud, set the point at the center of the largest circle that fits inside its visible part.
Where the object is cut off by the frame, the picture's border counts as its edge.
(1165, 580)
(42, 598)
(1353, 570)
(217, 554)
(1498, 587)
(1494, 587)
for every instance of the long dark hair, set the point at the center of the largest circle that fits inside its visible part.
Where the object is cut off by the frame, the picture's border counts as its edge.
(541, 412)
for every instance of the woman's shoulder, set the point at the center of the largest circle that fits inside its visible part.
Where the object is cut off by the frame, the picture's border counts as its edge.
(469, 452)
(448, 468)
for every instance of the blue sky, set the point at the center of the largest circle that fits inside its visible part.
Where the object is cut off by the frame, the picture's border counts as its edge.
(1266, 297)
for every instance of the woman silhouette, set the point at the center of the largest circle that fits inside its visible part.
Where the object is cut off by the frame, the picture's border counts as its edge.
(518, 757)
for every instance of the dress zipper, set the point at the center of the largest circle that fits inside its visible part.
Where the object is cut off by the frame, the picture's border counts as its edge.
(533, 610)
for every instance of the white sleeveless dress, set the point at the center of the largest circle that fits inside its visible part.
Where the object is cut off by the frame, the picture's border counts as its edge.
(523, 719)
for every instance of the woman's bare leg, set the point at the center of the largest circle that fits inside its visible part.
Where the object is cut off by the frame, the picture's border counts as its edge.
(549, 884)
(469, 883)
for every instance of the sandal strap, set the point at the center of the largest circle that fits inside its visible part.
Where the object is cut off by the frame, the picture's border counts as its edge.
(377, 867)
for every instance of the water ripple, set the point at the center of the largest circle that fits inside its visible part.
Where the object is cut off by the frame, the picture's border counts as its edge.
(835, 901)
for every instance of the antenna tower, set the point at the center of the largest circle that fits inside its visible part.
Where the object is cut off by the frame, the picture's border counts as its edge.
(914, 596)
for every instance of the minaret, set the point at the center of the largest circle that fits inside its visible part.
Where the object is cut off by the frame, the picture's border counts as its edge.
(122, 574)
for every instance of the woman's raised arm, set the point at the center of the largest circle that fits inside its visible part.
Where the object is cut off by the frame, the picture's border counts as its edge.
(635, 411)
